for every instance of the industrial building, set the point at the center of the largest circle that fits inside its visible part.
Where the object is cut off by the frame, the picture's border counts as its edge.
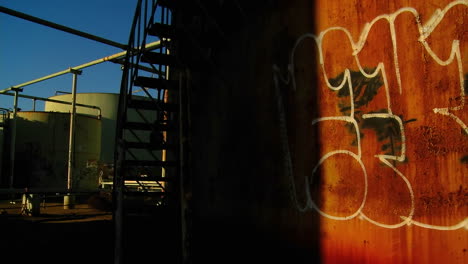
(288, 131)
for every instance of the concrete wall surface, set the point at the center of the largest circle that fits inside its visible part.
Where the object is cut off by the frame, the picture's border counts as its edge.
(334, 132)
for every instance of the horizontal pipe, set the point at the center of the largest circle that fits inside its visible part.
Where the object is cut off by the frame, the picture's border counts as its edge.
(150, 46)
(56, 101)
(61, 27)
(36, 80)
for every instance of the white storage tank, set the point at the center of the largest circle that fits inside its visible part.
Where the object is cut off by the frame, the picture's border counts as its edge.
(42, 141)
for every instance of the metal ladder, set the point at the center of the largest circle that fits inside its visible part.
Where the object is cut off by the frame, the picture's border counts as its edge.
(147, 194)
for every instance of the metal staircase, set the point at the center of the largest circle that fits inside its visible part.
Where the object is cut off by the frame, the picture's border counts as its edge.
(148, 191)
(152, 182)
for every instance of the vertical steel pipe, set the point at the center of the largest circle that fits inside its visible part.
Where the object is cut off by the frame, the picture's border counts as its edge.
(13, 138)
(68, 200)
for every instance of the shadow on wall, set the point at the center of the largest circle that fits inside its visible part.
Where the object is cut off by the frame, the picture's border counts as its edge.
(253, 144)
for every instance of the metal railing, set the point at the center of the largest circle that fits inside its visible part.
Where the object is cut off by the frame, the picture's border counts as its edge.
(143, 18)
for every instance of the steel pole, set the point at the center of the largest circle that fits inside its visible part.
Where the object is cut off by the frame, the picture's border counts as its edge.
(13, 138)
(68, 199)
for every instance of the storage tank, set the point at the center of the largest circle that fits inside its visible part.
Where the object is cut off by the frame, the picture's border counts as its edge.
(108, 103)
(42, 142)
(3, 122)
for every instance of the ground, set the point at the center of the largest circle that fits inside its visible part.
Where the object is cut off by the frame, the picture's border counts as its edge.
(83, 234)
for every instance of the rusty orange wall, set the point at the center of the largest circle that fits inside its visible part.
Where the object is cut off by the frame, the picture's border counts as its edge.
(334, 131)
(390, 178)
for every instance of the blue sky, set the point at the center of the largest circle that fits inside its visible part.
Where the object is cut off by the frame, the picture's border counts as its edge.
(29, 50)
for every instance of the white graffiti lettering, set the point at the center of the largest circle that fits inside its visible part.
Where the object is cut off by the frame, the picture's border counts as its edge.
(289, 79)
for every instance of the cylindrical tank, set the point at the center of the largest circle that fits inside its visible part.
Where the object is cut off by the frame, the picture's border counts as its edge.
(108, 103)
(2, 137)
(3, 121)
(42, 143)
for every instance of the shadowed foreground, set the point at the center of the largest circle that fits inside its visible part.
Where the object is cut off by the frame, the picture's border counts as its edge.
(80, 235)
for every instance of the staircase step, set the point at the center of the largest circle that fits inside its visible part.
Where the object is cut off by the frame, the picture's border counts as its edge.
(158, 58)
(156, 83)
(167, 3)
(162, 30)
(129, 194)
(185, 5)
(147, 145)
(171, 4)
(147, 180)
(149, 163)
(153, 105)
(169, 126)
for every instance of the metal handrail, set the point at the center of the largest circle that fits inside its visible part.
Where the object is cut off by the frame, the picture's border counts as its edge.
(138, 33)
(119, 152)
(126, 68)
(112, 58)
(57, 101)
(132, 58)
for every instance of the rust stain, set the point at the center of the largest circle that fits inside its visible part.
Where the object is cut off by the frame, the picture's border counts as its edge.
(389, 179)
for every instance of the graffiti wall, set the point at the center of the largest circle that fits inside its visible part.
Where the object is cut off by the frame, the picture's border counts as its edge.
(382, 88)
(332, 132)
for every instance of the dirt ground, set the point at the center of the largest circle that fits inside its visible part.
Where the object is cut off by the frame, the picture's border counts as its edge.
(83, 234)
